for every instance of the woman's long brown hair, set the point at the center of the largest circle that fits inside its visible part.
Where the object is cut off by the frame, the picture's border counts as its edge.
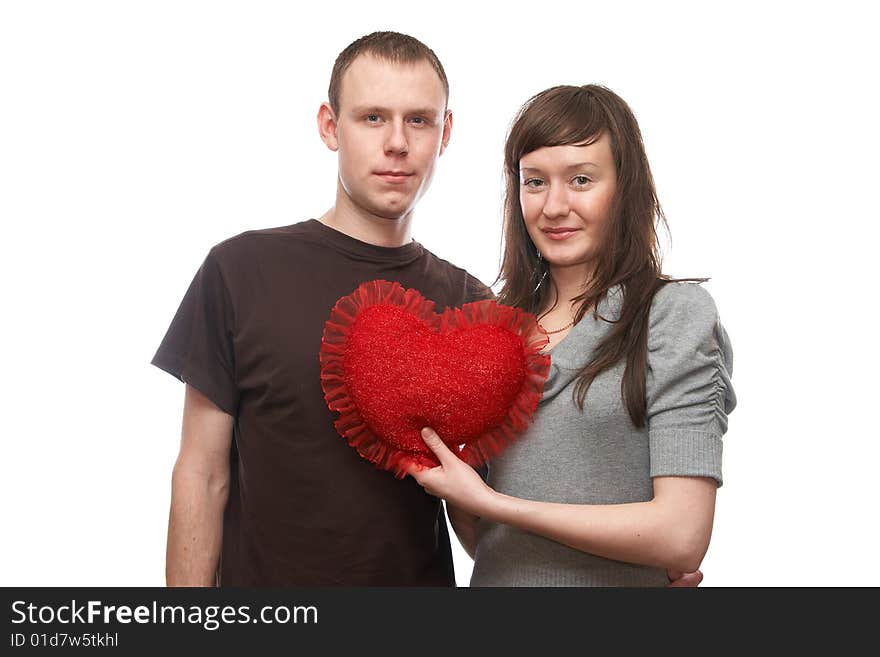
(629, 255)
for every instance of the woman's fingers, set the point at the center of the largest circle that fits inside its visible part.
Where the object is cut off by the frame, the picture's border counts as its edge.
(436, 445)
(684, 580)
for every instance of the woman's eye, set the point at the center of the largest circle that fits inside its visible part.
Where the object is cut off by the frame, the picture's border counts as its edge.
(580, 180)
(533, 182)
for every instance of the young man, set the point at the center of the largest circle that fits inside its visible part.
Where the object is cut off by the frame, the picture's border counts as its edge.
(264, 490)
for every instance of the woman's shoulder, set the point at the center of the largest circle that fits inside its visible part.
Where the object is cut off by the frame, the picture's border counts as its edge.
(683, 302)
(682, 312)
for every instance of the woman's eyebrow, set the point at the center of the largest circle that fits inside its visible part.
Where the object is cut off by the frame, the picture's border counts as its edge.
(570, 167)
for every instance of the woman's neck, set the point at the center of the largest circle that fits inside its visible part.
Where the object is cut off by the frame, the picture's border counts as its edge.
(568, 283)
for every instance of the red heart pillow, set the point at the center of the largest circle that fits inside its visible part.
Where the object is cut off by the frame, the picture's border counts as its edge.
(390, 365)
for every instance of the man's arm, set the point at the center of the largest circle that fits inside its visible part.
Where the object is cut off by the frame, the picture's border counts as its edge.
(199, 489)
(464, 524)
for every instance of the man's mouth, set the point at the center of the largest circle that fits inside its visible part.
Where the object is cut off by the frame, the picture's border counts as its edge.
(394, 176)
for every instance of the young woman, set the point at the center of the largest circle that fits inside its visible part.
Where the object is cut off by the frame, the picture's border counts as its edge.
(614, 482)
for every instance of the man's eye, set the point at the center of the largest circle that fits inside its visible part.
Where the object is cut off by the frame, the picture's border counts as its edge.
(372, 118)
(418, 120)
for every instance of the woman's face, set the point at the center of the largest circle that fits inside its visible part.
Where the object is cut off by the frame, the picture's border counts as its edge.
(566, 194)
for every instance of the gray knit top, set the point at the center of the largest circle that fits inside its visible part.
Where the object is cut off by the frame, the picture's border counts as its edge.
(597, 456)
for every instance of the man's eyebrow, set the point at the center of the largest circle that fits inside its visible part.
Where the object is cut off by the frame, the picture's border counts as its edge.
(428, 111)
(368, 109)
(376, 109)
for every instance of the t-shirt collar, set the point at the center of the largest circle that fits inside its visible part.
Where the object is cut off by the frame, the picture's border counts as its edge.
(363, 250)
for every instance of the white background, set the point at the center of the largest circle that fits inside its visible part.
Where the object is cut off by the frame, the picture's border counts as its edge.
(135, 135)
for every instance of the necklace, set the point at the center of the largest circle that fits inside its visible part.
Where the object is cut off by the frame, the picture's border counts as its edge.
(560, 330)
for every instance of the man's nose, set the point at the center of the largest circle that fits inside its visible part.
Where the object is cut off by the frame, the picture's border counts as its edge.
(395, 142)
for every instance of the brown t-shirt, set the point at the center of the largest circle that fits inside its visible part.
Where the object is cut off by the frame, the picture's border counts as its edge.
(304, 508)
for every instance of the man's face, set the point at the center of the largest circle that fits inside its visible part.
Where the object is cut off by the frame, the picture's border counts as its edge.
(391, 127)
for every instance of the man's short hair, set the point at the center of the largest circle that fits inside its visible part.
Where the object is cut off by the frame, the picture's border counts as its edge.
(390, 46)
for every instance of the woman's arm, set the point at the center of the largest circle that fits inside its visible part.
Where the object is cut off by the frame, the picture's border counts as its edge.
(671, 531)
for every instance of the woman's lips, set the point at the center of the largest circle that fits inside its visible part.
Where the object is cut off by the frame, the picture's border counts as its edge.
(560, 234)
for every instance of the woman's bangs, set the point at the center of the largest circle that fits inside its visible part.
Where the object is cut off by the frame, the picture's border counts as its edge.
(563, 121)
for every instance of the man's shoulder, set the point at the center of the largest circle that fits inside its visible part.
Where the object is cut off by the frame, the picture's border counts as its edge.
(249, 241)
(442, 264)
(474, 288)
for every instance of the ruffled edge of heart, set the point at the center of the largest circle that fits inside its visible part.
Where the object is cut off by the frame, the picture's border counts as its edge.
(355, 430)
(519, 415)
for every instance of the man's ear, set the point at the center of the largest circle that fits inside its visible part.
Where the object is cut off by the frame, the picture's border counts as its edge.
(447, 131)
(327, 126)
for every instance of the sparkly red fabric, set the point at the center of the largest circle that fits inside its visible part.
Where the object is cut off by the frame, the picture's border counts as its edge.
(390, 365)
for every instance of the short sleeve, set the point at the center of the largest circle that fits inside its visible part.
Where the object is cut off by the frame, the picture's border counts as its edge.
(688, 389)
(198, 347)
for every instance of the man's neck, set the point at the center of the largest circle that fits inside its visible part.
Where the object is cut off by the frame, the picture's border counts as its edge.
(367, 227)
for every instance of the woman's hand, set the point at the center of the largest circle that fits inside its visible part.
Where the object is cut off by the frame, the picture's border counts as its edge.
(453, 480)
(678, 579)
